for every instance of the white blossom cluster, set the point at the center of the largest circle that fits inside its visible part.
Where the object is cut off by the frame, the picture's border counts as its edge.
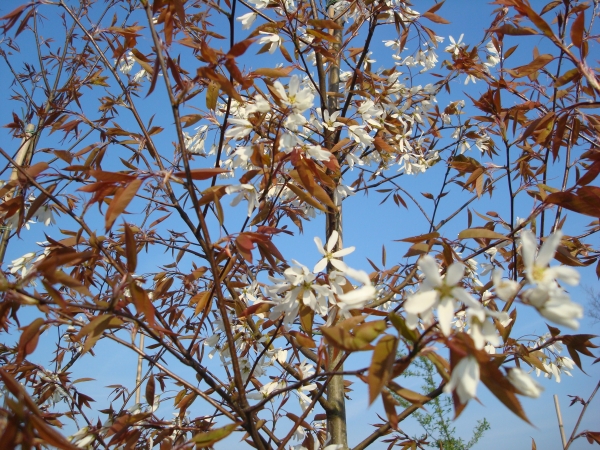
(455, 307)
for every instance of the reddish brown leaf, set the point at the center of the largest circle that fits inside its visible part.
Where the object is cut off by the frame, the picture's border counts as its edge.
(29, 339)
(130, 249)
(435, 18)
(201, 174)
(150, 388)
(240, 48)
(120, 201)
(577, 30)
(381, 365)
(531, 68)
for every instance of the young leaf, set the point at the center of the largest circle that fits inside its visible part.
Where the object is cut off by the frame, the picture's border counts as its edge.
(380, 370)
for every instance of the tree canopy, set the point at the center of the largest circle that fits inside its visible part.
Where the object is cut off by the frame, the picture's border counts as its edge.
(180, 154)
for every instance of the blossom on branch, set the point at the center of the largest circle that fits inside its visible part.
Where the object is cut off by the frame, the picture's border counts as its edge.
(329, 256)
(547, 296)
(440, 293)
(464, 379)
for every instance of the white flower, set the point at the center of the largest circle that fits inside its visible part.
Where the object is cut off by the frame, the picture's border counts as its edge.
(341, 192)
(298, 100)
(329, 256)
(536, 268)
(301, 280)
(294, 121)
(270, 38)
(394, 45)
(247, 20)
(360, 135)
(241, 129)
(141, 74)
(246, 191)
(555, 305)
(44, 215)
(329, 120)
(505, 289)
(195, 143)
(455, 47)
(480, 329)
(470, 78)
(304, 399)
(267, 390)
(493, 58)
(356, 298)
(438, 292)
(317, 153)
(126, 63)
(464, 378)
(547, 296)
(260, 4)
(260, 105)
(524, 383)
(21, 263)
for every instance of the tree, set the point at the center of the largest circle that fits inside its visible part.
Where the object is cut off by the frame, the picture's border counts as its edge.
(104, 95)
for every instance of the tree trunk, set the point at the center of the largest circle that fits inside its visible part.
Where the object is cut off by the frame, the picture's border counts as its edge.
(336, 416)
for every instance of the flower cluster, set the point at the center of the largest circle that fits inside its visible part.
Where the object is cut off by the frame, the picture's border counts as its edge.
(300, 286)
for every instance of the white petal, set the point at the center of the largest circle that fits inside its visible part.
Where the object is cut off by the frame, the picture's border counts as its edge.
(319, 245)
(429, 267)
(445, 312)
(469, 380)
(343, 252)
(294, 85)
(524, 383)
(548, 250)
(463, 296)
(320, 266)
(358, 296)
(454, 273)
(421, 302)
(528, 248)
(359, 275)
(339, 265)
(333, 239)
(566, 274)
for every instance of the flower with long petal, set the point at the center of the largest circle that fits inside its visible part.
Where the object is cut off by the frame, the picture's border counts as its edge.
(536, 266)
(505, 289)
(438, 292)
(547, 296)
(246, 191)
(455, 46)
(356, 298)
(247, 20)
(464, 378)
(270, 39)
(298, 99)
(524, 383)
(329, 255)
(241, 129)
